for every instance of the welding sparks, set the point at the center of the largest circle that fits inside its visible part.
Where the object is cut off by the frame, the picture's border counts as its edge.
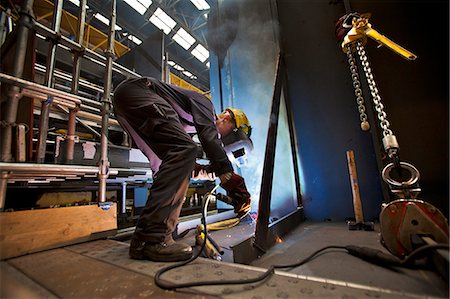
(278, 240)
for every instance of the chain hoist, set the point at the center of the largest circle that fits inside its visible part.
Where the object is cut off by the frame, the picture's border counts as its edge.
(406, 217)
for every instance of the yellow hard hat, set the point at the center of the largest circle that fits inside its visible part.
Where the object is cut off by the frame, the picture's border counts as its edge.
(241, 120)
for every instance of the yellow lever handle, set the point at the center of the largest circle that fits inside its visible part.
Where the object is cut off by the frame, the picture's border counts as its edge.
(372, 33)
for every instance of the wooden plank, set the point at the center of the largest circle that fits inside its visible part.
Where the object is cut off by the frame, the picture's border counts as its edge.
(30, 231)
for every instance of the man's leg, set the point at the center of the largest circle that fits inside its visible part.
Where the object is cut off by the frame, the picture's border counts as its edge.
(158, 125)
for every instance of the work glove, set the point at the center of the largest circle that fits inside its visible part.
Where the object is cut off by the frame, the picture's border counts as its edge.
(203, 172)
(237, 191)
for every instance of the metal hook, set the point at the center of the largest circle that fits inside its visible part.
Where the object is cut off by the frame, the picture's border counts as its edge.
(415, 175)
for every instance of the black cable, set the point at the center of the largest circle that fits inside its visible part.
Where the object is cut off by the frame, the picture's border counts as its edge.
(422, 249)
(305, 260)
(372, 255)
(172, 286)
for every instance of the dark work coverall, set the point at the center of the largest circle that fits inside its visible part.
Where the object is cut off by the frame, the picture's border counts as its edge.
(159, 116)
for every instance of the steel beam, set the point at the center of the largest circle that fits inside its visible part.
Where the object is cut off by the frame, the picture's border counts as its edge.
(262, 224)
(293, 139)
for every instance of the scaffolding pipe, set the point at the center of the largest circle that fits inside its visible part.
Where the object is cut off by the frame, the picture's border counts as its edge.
(106, 101)
(13, 94)
(3, 185)
(41, 89)
(32, 168)
(124, 198)
(50, 67)
(42, 97)
(47, 32)
(75, 83)
(84, 124)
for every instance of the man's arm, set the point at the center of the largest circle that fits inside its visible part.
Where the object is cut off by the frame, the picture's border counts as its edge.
(202, 111)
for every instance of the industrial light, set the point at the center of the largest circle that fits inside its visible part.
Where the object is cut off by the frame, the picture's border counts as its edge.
(200, 4)
(200, 52)
(139, 5)
(105, 21)
(187, 74)
(77, 2)
(161, 20)
(184, 39)
(208, 64)
(134, 39)
(171, 63)
(178, 68)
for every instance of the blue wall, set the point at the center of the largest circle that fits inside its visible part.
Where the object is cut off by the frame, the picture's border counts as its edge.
(326, 117)
(324, 106)
(248, 78)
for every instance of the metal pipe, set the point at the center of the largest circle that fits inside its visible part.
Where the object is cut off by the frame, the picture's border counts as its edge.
(75, 83)
(106, 100)
(3, 186)
(21, 147)
(71, 128)
(33, 168)
(42, 97)
(3, 26)
(47, 32)
(41, 89)
(50, 67)
(117, 67)
(13, 94)
(262, 224)
(165, 68)
(84, 124)
(293, 139)
(93, 104)
(50, 33)
(68, 77)
(124, 198)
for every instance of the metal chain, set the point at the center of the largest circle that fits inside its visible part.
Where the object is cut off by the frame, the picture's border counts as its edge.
(379, 107)
(358, 92)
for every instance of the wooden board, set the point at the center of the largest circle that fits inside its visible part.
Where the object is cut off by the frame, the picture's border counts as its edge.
(30, 231)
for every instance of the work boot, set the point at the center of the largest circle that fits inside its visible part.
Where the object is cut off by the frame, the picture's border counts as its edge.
(160, 252)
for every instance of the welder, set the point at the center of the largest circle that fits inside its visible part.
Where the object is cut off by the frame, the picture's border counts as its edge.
(161, 118)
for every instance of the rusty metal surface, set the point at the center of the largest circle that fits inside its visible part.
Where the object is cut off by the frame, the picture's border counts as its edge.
(102, 269)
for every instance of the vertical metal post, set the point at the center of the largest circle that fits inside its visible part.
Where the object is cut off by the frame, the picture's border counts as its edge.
(293, 139)
(75, 82)
(3, 26)
(126, 139)
(262, 224)
(50, 67)
(21, 148)
(165, 69)
(3, 185)
(124, 198)
(13, 95)
(106, 107)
